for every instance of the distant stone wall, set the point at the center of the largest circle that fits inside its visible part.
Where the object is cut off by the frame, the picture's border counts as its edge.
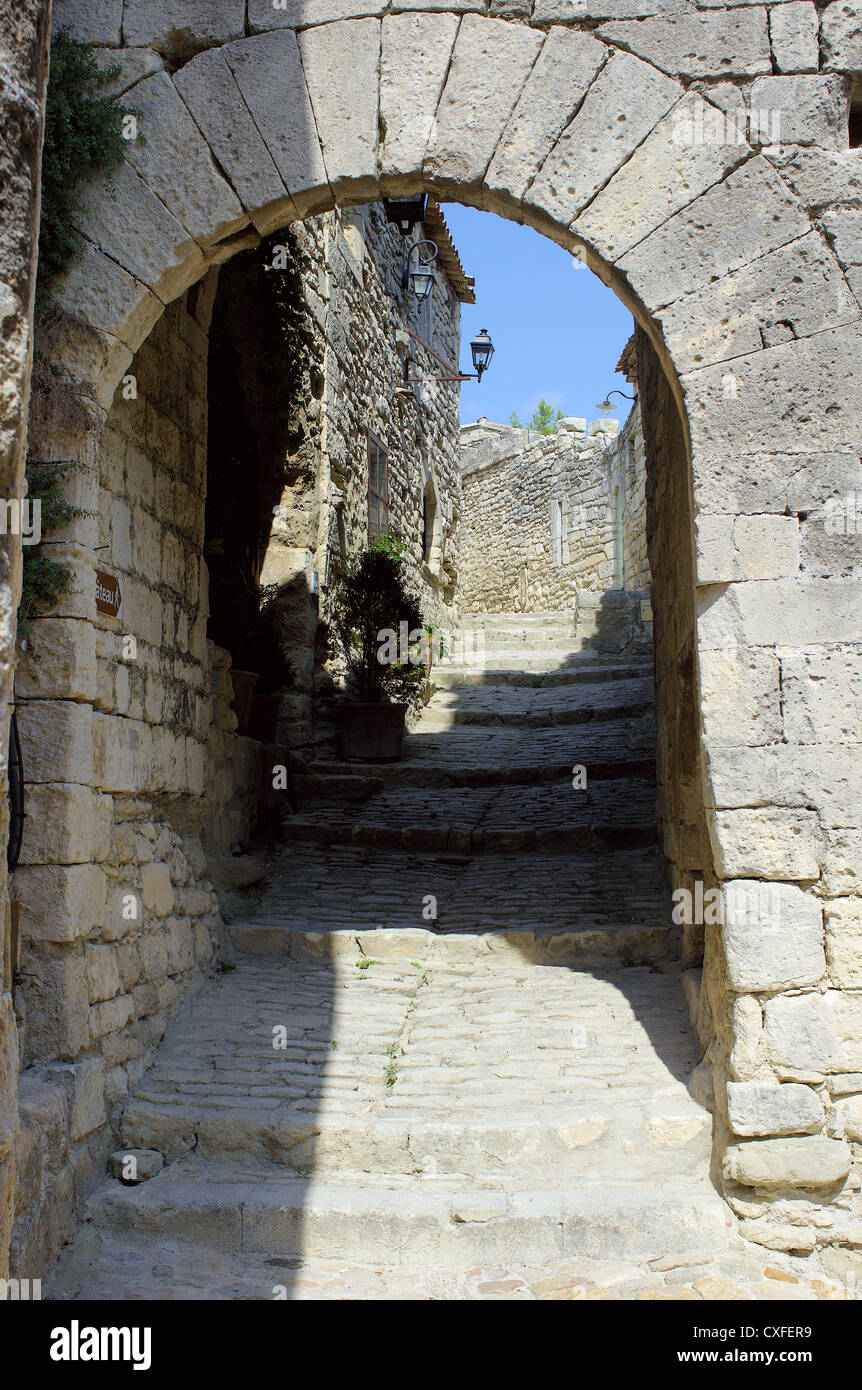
(24, 28)
(548, 516)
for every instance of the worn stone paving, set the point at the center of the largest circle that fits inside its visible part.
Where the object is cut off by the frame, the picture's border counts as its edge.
(410, 1083)
(104, 1265)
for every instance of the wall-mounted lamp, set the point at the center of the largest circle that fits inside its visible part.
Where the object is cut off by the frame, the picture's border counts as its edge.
(606, 405)
(481, 350)
(421, 277)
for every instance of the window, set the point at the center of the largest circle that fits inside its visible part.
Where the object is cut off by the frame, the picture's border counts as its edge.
(429, 521)
(378, 503)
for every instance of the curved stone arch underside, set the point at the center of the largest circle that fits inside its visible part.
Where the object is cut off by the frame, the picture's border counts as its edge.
(752, 318)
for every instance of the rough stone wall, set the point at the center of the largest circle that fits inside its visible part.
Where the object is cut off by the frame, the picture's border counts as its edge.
(546, 517)
(24, 29)
(360, 309)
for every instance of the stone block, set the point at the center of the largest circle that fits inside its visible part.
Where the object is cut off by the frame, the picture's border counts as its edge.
(415, 54)
(122, 754)
(791, 292)
(341, 63)
(157, 892)
(756, 1109)
(740, 692)
(747, 1030)
(209, 89)
(849, 1112)
(106, 296)
(842, 862)
(55, 991)
(594, 144)
(814, 1034)
(822, 695)
(180, 28)
(559, 80)
(733, 43)
(84, 1085)
(90, 21)
(60, 903)
(56, 741)
(841, 36)
(781, 613)
(729, 548)
(270, 77)
(110, 1016)
(66, 824)
(60, 661)
(767, 843)
(773, 936)
(811, 111)
(794, 33)
(132, 1166)
(776, 1163)
(103, 975)
(843, 921)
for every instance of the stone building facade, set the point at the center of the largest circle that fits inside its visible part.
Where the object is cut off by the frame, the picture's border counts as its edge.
(739, 257)
(549, 517)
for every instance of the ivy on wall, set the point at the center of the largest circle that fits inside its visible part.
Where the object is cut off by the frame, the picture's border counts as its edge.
(83, 138)
(46, 581)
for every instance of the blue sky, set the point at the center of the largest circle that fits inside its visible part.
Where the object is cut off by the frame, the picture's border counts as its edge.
(557, 330)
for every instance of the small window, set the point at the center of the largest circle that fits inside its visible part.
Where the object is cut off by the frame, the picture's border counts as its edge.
(378, 502)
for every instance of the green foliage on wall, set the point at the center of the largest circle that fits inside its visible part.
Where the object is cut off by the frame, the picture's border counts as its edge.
(46, 581)
(83, 138)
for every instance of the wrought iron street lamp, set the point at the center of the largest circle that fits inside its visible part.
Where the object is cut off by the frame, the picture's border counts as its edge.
(483, 350)
(420, 277)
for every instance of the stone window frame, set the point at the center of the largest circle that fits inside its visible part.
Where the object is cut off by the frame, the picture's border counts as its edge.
(378, 501)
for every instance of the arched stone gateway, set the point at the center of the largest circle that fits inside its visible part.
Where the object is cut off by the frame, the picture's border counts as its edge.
(601, 133)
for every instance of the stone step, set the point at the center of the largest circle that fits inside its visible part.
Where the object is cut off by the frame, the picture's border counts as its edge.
(451, 677)
(420, 1221)
(591, 942)
(552, 818)
(440, 716)
(355, 782)
(634, 1138)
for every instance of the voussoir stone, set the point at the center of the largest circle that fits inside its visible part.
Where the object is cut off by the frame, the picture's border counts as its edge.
(775, 1163)
(567, 65)
(812, 110)
(270, 77)
(416, 50)
(794, 35)
(210, 91)
(341, 63)
(626, 101)
(491, 61)
(177, 164)
(90, 21)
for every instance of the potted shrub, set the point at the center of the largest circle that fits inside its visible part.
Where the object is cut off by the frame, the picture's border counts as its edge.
(373, 618)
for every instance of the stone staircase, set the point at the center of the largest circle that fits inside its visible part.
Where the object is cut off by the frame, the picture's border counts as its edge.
(454, 1033)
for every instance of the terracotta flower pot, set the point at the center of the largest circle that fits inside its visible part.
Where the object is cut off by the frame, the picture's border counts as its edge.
(371, 733)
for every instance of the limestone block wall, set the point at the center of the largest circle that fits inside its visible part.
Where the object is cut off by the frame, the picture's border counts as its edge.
(24, 32)
(546, 517)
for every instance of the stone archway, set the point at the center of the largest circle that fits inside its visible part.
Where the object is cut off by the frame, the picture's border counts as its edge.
(525, 120)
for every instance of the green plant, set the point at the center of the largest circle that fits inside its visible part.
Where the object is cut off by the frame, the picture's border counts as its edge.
(365, 962)
(45, 581)
(83, 138)
(370, 598)
(391, 1073)
(542, 419)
